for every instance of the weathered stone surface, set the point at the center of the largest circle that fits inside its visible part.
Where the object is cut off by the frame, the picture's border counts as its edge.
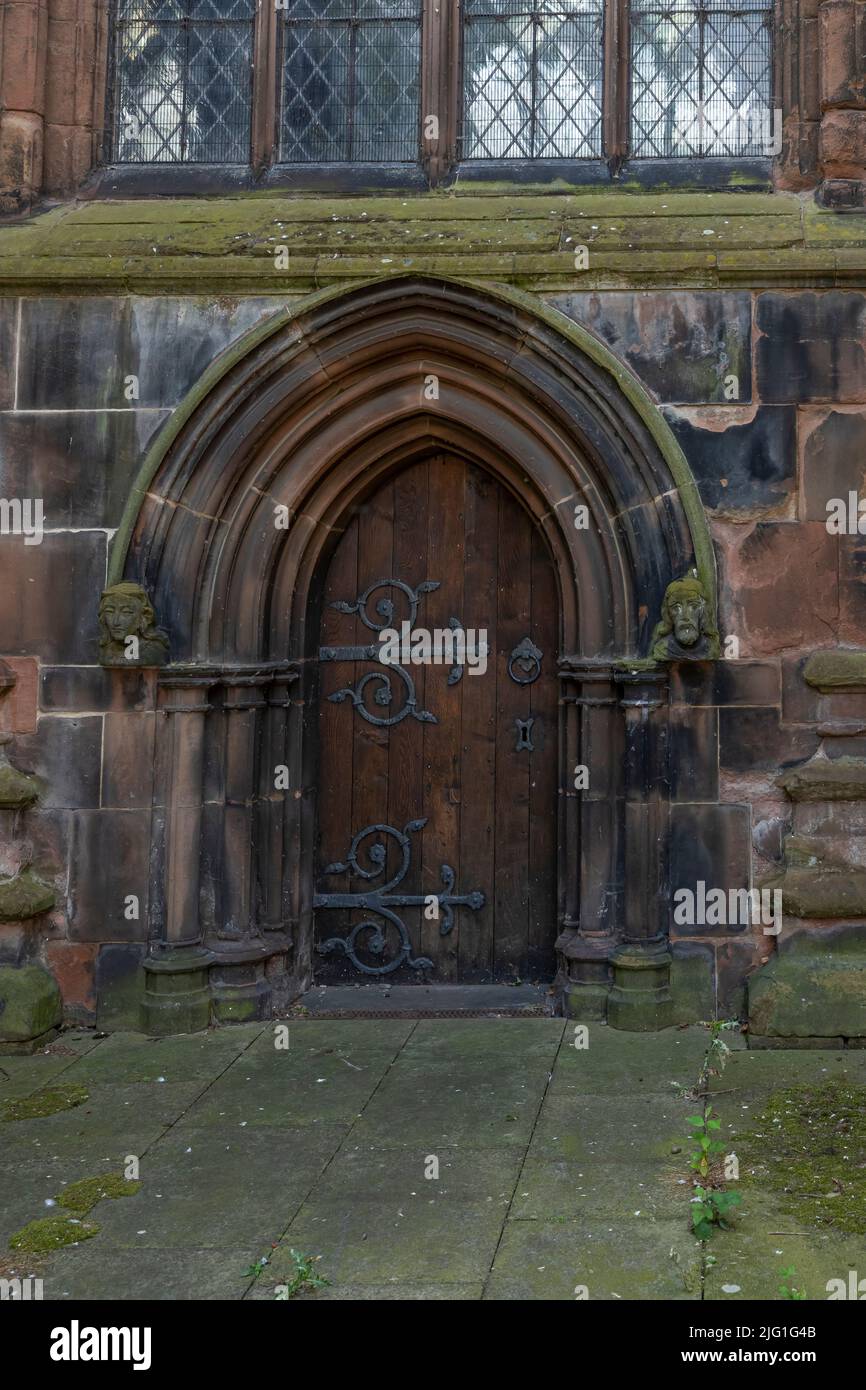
(843, 144)
(709, 844)
(19, 703)
(778, 585)
(852, 589)
(119, 986)
(823, 779)
(73, 965)
(48, 604)
(735, 961)
(79, 352)
(17, 789)
(744, 461)
(8, 333)
(693, 753)
(682, 345)
(814, 987)
(109, 862)
(750, 739)
(24, 896)
(82, 465)
(842, 36)
(833, 448)
(81, 689)
(692, 982)
(811, 347)
(836, 669)
(65, 754)
(29, 1003)
(726, 683)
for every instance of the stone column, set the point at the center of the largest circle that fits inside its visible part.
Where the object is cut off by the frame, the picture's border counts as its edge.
(23, 50)
(842, 89)
(640, 1000)
(590, 840)
(239, 986)
(177, 997)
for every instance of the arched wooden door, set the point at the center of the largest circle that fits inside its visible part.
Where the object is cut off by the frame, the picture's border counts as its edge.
(453, 776)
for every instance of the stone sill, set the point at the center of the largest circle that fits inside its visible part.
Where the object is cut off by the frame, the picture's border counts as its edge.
(510, 235)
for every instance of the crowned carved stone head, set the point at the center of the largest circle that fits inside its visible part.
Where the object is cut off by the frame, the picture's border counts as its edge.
(128, 632)
(686, 631)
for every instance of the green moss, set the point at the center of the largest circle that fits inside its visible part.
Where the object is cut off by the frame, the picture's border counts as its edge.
(51, 1233)
(47, 1102)
(81, 1196)
(810, 1152)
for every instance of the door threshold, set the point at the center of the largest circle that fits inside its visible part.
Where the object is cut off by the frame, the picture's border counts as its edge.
(426, 1001)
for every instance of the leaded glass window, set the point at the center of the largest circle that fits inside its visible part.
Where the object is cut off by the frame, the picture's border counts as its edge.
(700, 78)
(433, 84)
(184, 81)
(532, 79)
(351, 81)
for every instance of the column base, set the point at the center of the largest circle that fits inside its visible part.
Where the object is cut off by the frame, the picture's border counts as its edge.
(583, 979)
(176, 992)
(640, 1000)
(245, 980)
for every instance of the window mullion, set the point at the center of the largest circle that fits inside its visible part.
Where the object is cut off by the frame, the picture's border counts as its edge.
(266, 41)
(617, 47)
(440, 54)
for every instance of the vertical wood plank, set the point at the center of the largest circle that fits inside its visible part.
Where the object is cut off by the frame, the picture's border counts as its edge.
(512, 808)
(478, 728)
(406, 744)
(442, 779)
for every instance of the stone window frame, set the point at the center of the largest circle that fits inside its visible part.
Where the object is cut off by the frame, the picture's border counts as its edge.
(792, 79)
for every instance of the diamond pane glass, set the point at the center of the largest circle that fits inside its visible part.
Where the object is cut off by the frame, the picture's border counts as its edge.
(701, 80)
(184, 81)
(351, 81)
(532, 79)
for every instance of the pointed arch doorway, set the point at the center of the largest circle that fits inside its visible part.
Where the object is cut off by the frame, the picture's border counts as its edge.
(310, 418)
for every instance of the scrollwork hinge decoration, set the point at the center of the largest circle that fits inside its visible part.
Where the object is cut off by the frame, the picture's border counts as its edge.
(384, 694)
(524, 663)
(381, 901)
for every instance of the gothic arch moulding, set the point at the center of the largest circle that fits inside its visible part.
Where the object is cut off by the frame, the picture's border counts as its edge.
(302, 419)
(311, 407)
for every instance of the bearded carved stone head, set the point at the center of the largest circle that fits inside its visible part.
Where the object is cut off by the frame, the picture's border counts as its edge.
(686, 631)
(128, 632)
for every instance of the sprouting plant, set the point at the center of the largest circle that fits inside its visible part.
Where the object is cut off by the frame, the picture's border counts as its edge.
(788, 1288)
(304, 1277)
(718, 1052)
(703, 1128)
(711, 1208)
(254, 1270)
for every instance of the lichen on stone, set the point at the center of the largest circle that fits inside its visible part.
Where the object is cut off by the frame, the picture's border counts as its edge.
(43, 1103)
(83, 1195)
(809, 1151)
(51, 1233)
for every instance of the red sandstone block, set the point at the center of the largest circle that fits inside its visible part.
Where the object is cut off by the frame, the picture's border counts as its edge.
(843, 144)
(25, 32)
(73, 965)
(68, 158)
(842, 49)
(20, 152)
(18, 709)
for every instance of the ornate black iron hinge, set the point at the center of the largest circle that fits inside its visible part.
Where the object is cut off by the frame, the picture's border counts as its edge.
(384, 693)
(382, 900)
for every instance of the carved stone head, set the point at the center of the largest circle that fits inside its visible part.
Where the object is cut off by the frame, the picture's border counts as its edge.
(685, 632)
(125, 612)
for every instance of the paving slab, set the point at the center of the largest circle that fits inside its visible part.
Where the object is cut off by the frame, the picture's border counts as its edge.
(418, 1159)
